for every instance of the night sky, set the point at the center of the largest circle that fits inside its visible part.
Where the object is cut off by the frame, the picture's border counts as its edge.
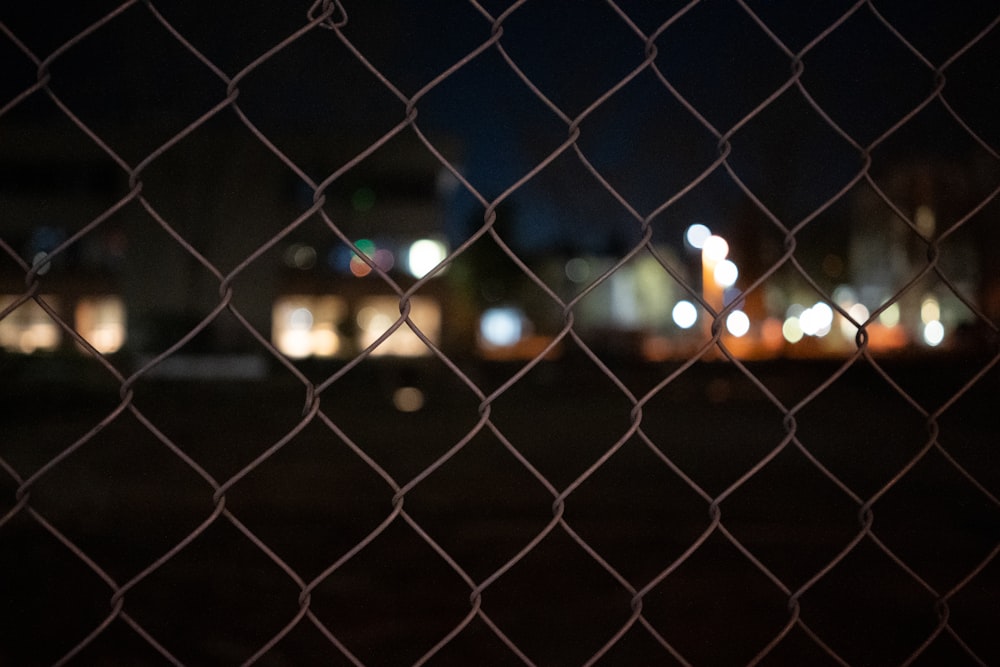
(642, 140)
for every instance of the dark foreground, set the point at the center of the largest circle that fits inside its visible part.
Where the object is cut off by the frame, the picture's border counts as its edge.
(390, 574)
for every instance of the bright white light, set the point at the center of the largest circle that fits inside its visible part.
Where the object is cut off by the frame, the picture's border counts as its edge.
(696, 235)
(738, 323)
(725, 273)
(300, 318)
(714, 249)
(501, 327)
(933, 333)
(685, 314)
(792, 330)
(930, 311)
(295, 343)
(860, 315)
(809, 322)
(824, 317)
(424, 255)
(817, 320)
(890, 316)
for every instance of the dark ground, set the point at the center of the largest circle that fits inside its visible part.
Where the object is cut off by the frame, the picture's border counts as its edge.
(125, 500)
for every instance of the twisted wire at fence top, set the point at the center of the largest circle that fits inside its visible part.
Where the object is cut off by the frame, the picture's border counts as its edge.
(331, 16)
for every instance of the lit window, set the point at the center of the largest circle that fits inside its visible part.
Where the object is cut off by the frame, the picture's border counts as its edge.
(376, 315)
(28, 328)
(306, 326)
(101, 321)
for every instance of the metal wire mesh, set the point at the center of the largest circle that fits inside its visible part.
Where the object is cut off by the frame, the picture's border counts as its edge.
(544, 512)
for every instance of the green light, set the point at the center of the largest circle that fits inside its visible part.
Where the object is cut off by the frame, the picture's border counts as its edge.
(366, 246)
(363, 200)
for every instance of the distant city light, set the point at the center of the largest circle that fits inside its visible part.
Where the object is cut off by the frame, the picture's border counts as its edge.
(578, 269)
(844, 296)
(817, 320)
(501, 327)
(925, 221)
(859, 314)
(738, 323)
(28, 328)
(384, 259)
(423, 256)
(300, 256)
(933, 333)
(360, 267)
(890, 316)
(101, 321)
(363, 200)
(696, 235)
(408, 399)
(930, 310)
(300, 318)
(684, 314)
(306, 325)
(377, 314)
(375, 320)
(714, 249)
(792, 330)
(726, 273)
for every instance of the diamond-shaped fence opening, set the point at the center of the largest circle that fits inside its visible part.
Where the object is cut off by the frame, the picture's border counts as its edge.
(499, 333)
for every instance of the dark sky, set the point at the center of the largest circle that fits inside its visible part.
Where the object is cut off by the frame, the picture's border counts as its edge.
(642, 140)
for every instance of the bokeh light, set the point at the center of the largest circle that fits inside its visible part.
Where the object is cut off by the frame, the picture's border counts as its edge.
(578, 269)
(890, 316)
(933, 333)
(792, 330)
(725, 273)
(408, 399)
(501, 327)
(684, 314)
(423, 256)
(715, 249)
(738, 323)
(696, 235)
(930, 310)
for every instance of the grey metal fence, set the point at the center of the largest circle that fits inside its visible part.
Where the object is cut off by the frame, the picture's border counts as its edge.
(398, 333)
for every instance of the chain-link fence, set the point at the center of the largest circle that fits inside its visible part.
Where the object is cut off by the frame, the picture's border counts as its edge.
(499, 332)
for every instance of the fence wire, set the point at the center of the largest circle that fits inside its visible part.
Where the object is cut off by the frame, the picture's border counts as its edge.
(396, 561)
